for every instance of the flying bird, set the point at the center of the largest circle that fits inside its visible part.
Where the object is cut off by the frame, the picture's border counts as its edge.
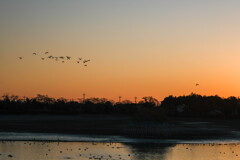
(62, 61)
(34, 53)
(42, 58)
(197, 84)
(85, 65)
(50, 57)
(61, 57)
(85, 61)
(77, 61)
(80, 59)
(20, 57)
(46, 52)
(68, 58)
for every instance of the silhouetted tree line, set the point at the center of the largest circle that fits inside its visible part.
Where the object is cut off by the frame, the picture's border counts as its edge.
(202, 106)
(45, 104)
(147, 108)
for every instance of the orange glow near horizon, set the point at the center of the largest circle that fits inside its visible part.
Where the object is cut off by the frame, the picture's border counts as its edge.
(151, 49)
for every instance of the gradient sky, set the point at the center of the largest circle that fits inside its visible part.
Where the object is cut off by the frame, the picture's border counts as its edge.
(137, 47)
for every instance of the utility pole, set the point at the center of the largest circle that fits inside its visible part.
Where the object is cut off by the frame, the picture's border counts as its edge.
(119, 99)
(84, 97)
(135, 100)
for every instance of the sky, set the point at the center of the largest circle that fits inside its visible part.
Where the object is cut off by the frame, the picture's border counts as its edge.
(137, 48)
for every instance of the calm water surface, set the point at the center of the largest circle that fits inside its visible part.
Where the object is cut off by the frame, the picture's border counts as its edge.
(30, 150)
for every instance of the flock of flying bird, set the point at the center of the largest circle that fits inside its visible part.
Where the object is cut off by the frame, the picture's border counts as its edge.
(61, 58)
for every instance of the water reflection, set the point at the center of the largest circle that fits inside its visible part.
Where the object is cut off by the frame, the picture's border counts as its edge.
(27, 150)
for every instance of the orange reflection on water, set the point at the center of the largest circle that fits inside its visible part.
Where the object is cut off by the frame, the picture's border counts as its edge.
(23, 150)
(204, 152)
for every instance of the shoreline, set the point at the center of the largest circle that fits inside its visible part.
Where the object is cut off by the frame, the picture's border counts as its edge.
(46, 137)
(121, 126)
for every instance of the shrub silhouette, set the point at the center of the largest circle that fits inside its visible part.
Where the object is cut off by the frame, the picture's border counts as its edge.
(148, 108)
(197, 105)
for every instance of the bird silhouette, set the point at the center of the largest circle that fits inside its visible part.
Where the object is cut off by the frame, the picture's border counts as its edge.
(197, 84)
(62, 59)
(85, 61)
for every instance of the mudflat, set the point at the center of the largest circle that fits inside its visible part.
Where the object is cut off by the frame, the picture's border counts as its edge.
(181, 128)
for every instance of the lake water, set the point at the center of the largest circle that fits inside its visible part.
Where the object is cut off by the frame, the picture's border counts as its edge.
(37, 150)
(45, 146)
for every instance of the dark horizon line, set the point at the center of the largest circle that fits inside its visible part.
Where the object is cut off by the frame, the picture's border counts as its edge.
(107, 99)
